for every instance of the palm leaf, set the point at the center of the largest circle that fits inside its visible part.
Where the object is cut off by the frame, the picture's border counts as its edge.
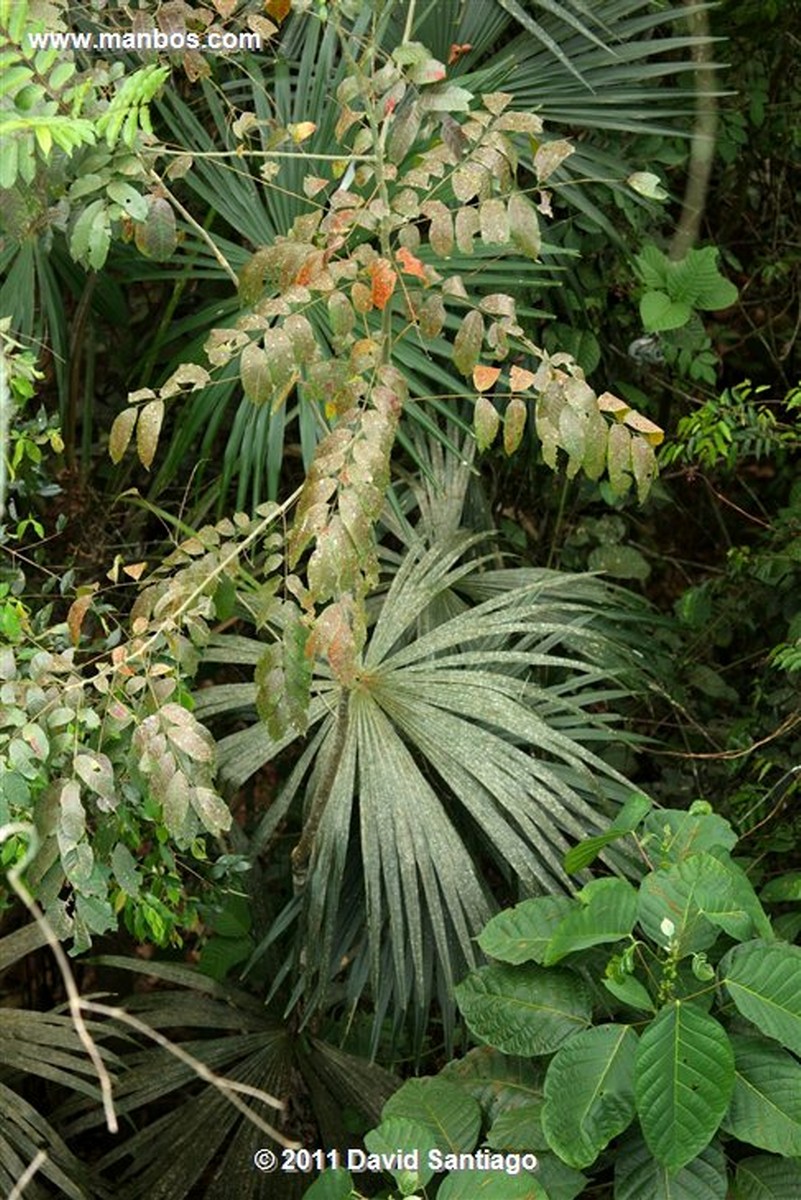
(468, 738)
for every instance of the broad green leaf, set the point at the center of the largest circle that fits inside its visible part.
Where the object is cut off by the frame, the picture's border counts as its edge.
(764, 981)
(126, 872)
(765, 1107)
(634, 811)
(785, 888)
(659, 313)
(621, 562)
(685, 1078)
(697, 281)
(499, 1082)
(521, 934)
(519, 1128)
(490, 1185)
(631, 992)
(673, 834)
(605, 912)
(403, 1133)
(766, 1177)
(526, 1009)
(638, 1175)
(589, 1093)
(444, 1108)
(697, 890)
(334, 1184)
(130, 201)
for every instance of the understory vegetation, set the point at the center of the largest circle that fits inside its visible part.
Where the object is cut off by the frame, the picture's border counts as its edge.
(400, 600)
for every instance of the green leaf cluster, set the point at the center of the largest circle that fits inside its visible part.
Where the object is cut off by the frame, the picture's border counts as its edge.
(700, 1041)
(674, 290)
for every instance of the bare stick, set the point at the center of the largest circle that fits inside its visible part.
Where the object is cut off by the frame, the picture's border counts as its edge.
(27, 1175)
(71, 988)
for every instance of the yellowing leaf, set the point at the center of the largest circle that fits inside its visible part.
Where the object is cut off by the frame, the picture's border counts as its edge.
(549, 156)
(514, 423)
(77, 611)
(148, 428)
(362, 297)
(312, 184)
(121, 431)
(524, 225)
(300, 132)
(485, 377)
(467, 343)
(135, 570)
(486, 420)
(613, 405)
(520, 379)
(647, 429)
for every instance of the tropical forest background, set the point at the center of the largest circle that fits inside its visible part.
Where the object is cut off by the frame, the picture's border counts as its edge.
(400, 598)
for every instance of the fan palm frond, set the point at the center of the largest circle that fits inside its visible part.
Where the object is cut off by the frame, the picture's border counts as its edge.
(468, 744)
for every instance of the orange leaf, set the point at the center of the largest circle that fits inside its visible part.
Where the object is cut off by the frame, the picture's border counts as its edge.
(456, 52)
(520, 379)
(384, 279)
(409, 264)
(77, 611)
(485, 377)
(278, 9)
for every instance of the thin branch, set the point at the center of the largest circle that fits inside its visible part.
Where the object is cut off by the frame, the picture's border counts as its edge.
(71, 988)
(230, 1088)
(27, 1175)
(198, 228)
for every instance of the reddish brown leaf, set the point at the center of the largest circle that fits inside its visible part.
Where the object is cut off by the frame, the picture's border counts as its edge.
(77, 611)
(278, 9)
(409, 264)
(384, 279)
(457, 51)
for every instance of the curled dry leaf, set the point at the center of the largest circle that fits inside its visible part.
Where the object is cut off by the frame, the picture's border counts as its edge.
(652, 433)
